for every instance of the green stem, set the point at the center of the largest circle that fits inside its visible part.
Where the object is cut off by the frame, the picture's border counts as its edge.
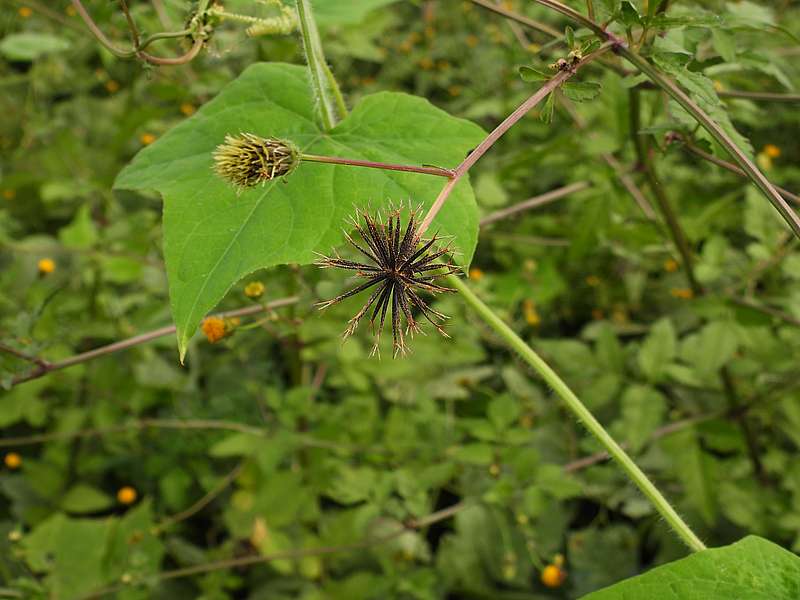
(321, 78)
(671, 88)
(664, 205)
(582, 413)
(750, 169)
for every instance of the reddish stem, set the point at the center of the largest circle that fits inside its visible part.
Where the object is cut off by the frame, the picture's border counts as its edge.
(335, 160)
(498, 132)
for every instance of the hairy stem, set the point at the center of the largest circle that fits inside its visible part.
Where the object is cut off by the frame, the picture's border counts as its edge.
(508, 123)
(578, 409)
(321, 79)
(675, 92)
(691, 147)
(749, 168)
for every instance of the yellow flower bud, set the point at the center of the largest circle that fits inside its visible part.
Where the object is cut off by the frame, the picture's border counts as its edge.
(254, 290)
(13, 460)
(46, 266)
(126, 495)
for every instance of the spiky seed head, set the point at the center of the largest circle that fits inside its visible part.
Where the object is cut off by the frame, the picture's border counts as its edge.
(247, 159)
(399, 267)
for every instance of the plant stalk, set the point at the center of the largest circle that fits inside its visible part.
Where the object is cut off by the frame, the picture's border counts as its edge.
(577, 408)
(321, 78)
(336, 160)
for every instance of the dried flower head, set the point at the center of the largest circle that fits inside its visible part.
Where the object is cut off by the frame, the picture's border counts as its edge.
(247, 160)
(402, 266)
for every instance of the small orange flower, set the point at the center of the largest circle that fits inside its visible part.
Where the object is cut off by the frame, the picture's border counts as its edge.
(25, 12)
(70, 10)
(254, 289)
(682, 293)
(112, 86)
(475, 273)
(147, 138)
(46, 266)
(772, 151)
(13, 460)
(187, 109)
(126, 495)
(553, 576)
(455, 90)
(531, 314)
(9, 194)
(670, 265)
(472, 40)
(426, 63)
(214, 329)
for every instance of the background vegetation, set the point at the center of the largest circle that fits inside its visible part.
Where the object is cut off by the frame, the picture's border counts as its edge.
(279, 463)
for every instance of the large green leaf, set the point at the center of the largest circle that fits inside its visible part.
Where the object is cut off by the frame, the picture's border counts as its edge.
(751, 569)
(212, 237)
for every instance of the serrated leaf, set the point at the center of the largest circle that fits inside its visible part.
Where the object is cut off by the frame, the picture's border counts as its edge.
(581, 91)
(532, 75)
(643, 410)
(213, 238)
(629, 15)
(751, 569)
(658, 350)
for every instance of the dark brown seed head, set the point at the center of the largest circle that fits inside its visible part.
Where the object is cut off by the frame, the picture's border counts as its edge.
(399, 266)
(247, 160)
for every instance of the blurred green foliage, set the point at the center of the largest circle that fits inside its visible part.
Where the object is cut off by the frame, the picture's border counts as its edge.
(279, 439)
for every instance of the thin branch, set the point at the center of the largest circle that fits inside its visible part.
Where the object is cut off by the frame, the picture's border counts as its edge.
(691, 147)
(765, 96)
(23, 356)
(598, 457)
(190, 55)
(244, 561)
(626, 180)
(767, 310)
(335, 160)
(536, 202)
(676, 93)
(177, 424)
(640, 142)
(136, 340)
(528, 22)
(202, 502)
(473, 157)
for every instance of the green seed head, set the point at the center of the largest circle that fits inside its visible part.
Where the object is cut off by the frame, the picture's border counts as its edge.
(247, 160)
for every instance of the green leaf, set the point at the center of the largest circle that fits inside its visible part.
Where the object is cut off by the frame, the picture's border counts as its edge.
(29, 46)
(81, 233)
(751, 569)
(643, 410)
(569, 37)
(532, 75)
(82, 498)
(503, 411)
(658, 350)
(546, 115)
(336, 12)
(629, 15)
(214, 237)
(581, 91)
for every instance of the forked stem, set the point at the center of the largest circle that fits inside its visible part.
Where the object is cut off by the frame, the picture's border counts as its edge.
(578, 409)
